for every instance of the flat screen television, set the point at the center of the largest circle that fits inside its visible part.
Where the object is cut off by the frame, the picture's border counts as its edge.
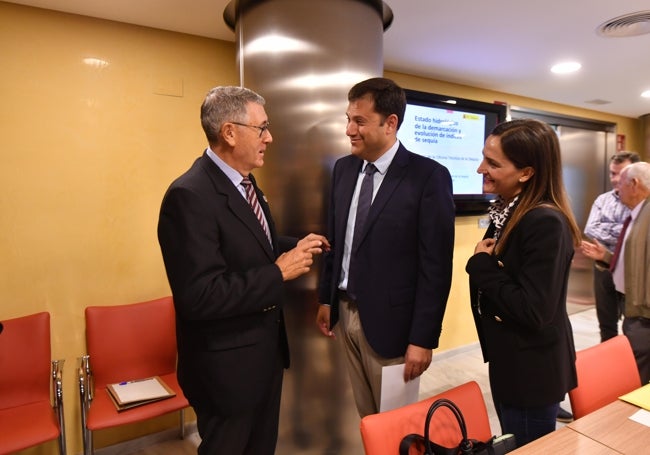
(452, 131)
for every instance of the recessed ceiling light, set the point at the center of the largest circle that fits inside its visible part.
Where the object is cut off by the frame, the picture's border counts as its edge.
(95, 62)
(566, 67)
(646, 94)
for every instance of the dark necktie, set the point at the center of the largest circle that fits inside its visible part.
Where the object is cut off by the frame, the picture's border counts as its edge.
(363, 207)
(255, 205)
(619, 244)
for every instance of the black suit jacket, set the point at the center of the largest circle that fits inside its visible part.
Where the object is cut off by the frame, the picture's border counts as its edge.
(521, 318)
(228, 293)
(404, 259)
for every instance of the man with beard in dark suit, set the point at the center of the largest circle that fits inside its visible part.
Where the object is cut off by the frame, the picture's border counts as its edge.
(391, 225)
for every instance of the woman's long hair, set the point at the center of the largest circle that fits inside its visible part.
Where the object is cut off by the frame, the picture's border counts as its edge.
(531, 143)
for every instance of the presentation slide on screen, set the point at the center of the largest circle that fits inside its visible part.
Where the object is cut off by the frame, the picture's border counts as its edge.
(453, 138)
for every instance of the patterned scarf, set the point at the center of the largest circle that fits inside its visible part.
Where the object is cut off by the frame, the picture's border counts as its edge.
(499, 212)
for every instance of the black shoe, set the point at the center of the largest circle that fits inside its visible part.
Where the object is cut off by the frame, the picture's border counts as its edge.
(564, 416)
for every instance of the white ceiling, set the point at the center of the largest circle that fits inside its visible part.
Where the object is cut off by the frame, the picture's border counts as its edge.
(503, 45)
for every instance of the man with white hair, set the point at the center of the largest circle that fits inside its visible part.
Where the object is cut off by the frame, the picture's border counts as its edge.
(604, 225)
(630, 262)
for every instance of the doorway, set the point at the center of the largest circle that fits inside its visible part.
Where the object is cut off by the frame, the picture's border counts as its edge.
(586, 146)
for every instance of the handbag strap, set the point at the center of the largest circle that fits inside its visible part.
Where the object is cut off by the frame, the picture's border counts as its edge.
(408, 440)
(465, 446)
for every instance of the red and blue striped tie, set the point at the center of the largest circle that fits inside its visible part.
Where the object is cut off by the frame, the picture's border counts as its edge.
(255, 205)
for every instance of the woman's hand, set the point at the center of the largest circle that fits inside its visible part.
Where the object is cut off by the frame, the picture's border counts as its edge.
(485, 246)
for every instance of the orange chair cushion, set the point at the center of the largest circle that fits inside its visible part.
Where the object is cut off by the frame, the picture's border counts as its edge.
(128, 342)
(27, 426)
(25, 361)
(133, 341)
(605, 372)
(103, 414)
(382, 433)
(26, 414)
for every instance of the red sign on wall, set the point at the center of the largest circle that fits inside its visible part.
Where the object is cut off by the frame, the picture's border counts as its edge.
(620, 142)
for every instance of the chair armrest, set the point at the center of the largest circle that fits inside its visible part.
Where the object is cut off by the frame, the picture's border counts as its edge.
(57, 401)
(85, 377)
(57, 383)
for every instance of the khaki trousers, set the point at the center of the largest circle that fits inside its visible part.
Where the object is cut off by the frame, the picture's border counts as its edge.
(364, 365)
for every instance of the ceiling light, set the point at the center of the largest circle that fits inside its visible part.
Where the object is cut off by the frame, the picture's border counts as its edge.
(566, 67)
(273, 43)
(95, 62)
(317, 81)
(646, 94)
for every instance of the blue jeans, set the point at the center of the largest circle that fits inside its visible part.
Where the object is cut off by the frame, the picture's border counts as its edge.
(527, 424)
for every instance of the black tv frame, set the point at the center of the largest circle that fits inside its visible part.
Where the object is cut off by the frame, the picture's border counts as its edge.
(495, 113)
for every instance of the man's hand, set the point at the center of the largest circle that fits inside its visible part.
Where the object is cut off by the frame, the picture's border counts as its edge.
(417, 360)
(323, 320)
(593, 250)
(298, 261)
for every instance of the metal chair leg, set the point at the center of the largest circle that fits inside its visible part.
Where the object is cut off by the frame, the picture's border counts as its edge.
(85, 396)
(57, 389)
(182, 423)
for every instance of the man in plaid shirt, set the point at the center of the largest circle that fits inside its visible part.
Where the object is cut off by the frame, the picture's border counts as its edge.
(604, 226)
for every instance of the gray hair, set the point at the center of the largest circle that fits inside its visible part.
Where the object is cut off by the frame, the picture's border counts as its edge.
(225, 104)
(639, 171)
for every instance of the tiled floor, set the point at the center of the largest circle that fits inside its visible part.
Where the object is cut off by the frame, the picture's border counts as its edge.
(447, 370)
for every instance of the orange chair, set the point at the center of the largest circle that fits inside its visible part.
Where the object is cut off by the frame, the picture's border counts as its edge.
(605, 372)
(27, 416)
(381, 433)
(127, 342)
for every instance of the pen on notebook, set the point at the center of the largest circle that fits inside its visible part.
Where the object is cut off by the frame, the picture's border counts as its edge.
(131, 382)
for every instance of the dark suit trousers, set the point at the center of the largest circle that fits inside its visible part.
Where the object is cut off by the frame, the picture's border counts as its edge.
(637, 331)
(252, 433)
(608, 306)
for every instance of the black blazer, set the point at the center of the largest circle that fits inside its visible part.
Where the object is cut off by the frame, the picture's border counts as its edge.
(521, 318)
(228, 293)
(405, 256)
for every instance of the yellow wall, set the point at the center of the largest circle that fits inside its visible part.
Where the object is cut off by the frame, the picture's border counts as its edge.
(87, 154)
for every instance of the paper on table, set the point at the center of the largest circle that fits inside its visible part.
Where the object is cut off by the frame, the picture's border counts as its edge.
(394, 392)
(641, 416)
(639, 397)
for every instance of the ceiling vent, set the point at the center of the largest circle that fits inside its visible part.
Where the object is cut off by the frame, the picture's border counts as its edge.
(632, 24)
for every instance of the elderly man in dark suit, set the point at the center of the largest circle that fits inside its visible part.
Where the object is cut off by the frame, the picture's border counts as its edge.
(630, 262)
(226, 269)
(391, 224)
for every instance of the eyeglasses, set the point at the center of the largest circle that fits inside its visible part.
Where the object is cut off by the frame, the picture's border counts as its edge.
(261, 128)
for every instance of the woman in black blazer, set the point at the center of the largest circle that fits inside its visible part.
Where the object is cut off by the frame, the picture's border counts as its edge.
(518, 278)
